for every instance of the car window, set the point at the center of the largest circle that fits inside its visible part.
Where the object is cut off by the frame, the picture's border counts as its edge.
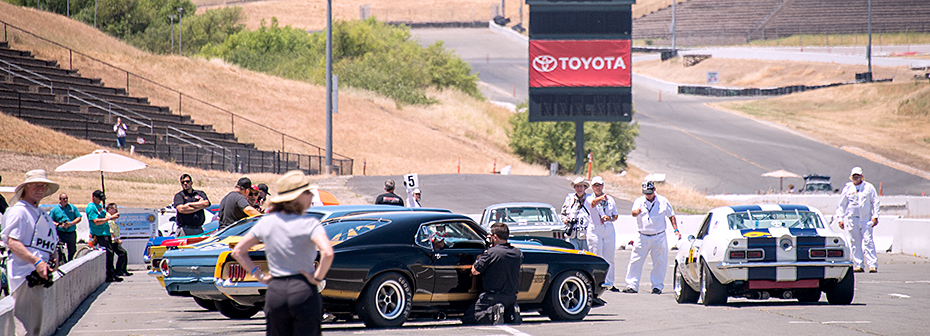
(521, 215)
(445, 235)
(774, 219)
(704, 227)
(341, 231)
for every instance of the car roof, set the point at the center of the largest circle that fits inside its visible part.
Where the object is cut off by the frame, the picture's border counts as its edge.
(519, 204)
(763, 207)
(337, 210)
(416, 215)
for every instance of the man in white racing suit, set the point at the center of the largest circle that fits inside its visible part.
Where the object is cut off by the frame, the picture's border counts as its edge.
(858, 209)
(602, 239)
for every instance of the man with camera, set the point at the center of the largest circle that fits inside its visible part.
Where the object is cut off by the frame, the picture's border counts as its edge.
(576, 213)
(32, 239)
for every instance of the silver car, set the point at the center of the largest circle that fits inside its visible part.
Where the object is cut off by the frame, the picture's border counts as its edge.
(525, 219)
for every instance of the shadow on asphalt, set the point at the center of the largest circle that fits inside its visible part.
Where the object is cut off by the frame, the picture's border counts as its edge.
(533, 320)
(786, 303)
(82, 309)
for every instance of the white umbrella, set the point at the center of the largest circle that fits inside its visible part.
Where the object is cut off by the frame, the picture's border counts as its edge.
(103, 161)
(780, 174)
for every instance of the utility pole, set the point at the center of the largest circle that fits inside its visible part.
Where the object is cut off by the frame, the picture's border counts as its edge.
(95, 14)
(180, 29)
(329, 87)
(868, 52)
(579, 147)
(673, 23)
(171, 17)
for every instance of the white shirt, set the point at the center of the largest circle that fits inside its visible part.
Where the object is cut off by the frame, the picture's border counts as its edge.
(571, 208)
(288, 239)
(604, 208)
(412, 202)
(652, 218)
(858, 201)
(32, 227)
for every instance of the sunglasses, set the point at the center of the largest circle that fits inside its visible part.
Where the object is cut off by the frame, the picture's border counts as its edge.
(253, 194)
(187, 181)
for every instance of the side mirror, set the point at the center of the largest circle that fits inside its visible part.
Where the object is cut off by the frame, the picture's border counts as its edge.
(691, 238)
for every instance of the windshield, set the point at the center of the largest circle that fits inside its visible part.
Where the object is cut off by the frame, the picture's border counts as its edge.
(774, 219)
(341, 231)
(521, 215)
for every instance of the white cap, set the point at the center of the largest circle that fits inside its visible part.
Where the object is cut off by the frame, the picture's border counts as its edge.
(855, 171)
(416, 191)
(597, 180)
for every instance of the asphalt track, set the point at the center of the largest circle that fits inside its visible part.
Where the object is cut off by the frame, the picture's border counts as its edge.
(710, 150)
(894, 301)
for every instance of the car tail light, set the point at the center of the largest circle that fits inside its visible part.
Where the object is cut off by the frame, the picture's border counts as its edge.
(834, 253)
(818, 253)
(236, 272)
(754, 254)
(163, 266)
(737, 254)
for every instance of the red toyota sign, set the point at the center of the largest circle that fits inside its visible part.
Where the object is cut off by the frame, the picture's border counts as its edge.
(579, 63)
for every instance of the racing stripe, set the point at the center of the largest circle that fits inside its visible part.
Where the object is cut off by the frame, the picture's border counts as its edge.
(762, 273)
(794, 207)
(804, 232)
(741, 208)
(810, 272)
(768, 246)
(805, 244)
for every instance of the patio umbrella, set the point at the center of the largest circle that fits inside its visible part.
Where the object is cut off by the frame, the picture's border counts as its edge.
(781, 174)
(103, 161)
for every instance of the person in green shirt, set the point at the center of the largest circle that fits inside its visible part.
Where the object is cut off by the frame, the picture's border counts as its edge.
(98, 219)
(121, 255)
(66, 217)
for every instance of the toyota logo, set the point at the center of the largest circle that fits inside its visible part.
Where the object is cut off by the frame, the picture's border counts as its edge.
(544, 63)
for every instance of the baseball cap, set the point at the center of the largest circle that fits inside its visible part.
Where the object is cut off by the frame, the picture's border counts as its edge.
(99, 195)
(856, 171)
(597, 180)
(416, 191)
(244, 183)
(649, 188)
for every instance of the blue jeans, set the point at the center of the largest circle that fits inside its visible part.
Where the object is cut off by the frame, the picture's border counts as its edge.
(120, 142)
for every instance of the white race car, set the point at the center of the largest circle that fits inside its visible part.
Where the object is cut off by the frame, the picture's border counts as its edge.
(762, 251)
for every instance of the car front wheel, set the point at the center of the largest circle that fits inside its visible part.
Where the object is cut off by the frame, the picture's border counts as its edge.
(236, 311)
(841, 293)
(569, 297)
(683, 292)
(386, 301)
(713, 293)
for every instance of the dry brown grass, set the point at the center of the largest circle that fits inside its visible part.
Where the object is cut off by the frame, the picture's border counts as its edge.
(685, 200)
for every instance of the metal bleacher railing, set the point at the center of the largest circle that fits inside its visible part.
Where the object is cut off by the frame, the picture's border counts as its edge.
(233, 159)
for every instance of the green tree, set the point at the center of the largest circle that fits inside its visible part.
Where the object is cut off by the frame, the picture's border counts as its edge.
(547, 142)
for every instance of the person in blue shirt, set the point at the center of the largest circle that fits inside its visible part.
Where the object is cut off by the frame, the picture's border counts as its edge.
(98, 220)
(66, 217)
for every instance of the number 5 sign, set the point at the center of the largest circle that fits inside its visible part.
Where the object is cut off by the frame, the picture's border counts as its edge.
(411, 181)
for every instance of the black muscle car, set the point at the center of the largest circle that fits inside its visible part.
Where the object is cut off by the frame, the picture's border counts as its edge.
(387, 268)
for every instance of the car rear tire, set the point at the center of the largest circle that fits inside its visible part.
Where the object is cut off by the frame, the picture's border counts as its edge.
(206, 303)
(842, 292)
(386, 301)
(569, 297)
(236, 311)
(713, 293)
(683, 292)
(809, 295)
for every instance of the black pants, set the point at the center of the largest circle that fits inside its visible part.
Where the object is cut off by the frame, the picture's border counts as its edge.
(480, 312)
(121, 259)
(293, 307)
(190, 230)
(106, 243)
(70, 239)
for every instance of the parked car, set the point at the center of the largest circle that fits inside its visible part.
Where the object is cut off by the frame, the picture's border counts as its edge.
(389, 258)
(817, 184)
(525, 219)
(763, 251)
(190, 271)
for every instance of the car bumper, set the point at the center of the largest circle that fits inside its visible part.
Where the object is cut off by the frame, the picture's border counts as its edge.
(189, 284)
(536, 230)
(239, 288)
(781, 271)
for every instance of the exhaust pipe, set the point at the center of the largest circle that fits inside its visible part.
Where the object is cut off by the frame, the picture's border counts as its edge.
(440, 316)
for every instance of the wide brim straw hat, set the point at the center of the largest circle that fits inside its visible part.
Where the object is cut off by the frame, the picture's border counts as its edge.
(580, 180)
(291, 185)
(35, 176)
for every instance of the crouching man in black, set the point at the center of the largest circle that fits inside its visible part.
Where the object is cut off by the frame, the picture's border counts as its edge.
(500, 266)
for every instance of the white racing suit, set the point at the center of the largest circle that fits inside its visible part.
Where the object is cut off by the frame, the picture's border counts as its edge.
(602, 239)
(857, 207)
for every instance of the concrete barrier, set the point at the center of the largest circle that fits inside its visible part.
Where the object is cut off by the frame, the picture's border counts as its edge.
(912, 236)
(7, 321)
(82, 277)
(905, 206)
(510, 33)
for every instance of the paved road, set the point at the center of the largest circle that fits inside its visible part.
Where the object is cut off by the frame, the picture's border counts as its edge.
(709, 150)
(892, 302)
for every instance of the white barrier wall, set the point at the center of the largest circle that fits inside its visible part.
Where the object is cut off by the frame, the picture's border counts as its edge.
(912, 236)
(82, 277)
(905, 206)
(7, 321)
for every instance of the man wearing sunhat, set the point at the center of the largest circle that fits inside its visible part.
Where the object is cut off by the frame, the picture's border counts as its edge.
(858, 209)
(31, 237)
(576, 214)
(98, 220)
(650, 211)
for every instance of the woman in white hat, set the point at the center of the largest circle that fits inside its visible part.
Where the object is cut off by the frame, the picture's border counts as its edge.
(292, 303)
(32, 239)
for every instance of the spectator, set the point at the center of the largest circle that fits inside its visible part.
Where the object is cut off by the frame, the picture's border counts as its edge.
(293, 305)
(650, 211)
(190, 205)
(235, 205)
(389, 197)
(120, 128)
(98, 219)
(3, 203)
(413, 197)
(263, 193)
(602, 238)
(500, 266)
(121, 255)
(858, 209)
(66, 217)
(576, 214)
(791, 189)
(253, 198)
(30, 236)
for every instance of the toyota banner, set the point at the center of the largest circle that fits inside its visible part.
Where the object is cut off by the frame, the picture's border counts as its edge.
(579, 63)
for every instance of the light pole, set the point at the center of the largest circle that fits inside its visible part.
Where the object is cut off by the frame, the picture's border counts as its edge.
(329, 87)
(673, 24)
(180, 29)
(95, 14)
(171, 17)
(868, 52)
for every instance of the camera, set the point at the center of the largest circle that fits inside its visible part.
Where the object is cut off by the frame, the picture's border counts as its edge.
(33, 279)
(570, 226)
